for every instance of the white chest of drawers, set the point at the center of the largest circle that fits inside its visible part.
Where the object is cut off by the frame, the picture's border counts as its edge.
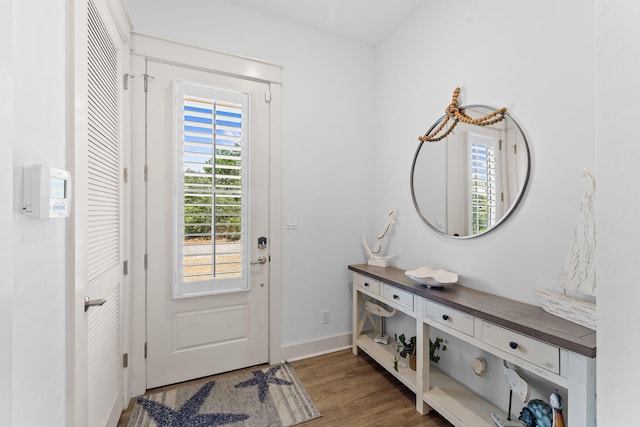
(556, 350)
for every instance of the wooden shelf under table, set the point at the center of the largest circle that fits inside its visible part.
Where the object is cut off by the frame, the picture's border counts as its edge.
(447, 396)
(461, 406)
(384, 356)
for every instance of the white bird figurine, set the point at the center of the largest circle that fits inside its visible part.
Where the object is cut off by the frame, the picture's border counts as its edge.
(374, 255)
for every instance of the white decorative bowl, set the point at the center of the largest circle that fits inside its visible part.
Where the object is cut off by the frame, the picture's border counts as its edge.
(432, 278)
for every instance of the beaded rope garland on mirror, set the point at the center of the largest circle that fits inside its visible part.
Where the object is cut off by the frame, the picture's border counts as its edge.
(458, 115)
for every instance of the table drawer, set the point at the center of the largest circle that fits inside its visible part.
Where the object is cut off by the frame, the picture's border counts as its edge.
(450, 317)
(367, 283)
(530, 349)
(402, 298)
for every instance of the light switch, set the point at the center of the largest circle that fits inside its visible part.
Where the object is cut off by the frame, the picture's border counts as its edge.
(291, 222)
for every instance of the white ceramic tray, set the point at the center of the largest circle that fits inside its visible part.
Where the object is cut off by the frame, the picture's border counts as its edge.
(432, 278)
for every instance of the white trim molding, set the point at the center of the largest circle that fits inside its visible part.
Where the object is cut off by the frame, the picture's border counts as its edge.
(120, 18)
(319, 347)
(206, 59)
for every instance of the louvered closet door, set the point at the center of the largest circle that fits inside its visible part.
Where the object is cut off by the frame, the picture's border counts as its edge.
(102, 193)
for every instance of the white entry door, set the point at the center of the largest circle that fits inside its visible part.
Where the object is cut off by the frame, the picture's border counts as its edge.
(207, 223)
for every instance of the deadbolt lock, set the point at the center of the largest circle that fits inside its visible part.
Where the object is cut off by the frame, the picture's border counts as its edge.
(262, 242)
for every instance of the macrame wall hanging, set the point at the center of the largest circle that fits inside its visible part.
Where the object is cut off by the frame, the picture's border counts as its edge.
(456, 114)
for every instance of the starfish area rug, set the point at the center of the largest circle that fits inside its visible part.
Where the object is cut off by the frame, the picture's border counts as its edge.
(269, 397)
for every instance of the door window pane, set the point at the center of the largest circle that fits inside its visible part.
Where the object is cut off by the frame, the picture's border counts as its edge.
(211, 209)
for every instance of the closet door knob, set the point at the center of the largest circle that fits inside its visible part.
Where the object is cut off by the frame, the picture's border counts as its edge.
(513, 345)
(88, 303)
(366, 284)
(445, 317)
(396, 297)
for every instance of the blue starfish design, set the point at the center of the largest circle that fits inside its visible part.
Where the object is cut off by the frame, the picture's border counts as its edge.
(188, 414)
(262, 380)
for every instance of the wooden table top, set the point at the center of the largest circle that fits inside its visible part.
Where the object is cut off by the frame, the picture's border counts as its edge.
(517, 316)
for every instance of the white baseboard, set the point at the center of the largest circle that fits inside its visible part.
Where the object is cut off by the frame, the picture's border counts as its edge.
(319, 347)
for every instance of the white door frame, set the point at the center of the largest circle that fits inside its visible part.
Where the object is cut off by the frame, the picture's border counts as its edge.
(146, 47)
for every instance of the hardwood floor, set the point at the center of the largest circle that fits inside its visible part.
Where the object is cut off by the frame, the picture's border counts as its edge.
(349, 391)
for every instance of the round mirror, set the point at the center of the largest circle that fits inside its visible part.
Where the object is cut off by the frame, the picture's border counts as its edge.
(469, 182)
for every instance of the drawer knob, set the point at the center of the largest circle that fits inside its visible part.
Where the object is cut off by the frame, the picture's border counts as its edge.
(396, 297)
(513, 345)
(445, 317)
(366, 284)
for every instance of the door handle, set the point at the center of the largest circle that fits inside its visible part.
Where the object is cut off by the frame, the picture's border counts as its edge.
(88, 302)
(260, 260)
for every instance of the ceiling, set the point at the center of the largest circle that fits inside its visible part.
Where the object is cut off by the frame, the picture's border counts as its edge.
(368, 21)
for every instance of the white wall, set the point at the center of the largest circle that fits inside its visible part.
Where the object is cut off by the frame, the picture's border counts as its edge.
(37, 276)
(6, 214)
(328, 146)
(542, 66)
(516, 55)
(618, 210)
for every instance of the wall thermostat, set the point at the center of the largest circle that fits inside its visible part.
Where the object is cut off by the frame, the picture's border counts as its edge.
(46, 192)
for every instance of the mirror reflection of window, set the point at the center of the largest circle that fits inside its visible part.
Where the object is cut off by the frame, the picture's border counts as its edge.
(474, 179)
(483, 191)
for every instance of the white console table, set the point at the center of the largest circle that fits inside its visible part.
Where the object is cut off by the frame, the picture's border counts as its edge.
(557, 350)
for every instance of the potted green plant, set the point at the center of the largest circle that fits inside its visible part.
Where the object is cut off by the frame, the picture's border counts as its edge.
(407, 349)
(434, 346)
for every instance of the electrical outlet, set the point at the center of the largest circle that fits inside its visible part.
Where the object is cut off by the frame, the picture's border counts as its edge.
(326, 316)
